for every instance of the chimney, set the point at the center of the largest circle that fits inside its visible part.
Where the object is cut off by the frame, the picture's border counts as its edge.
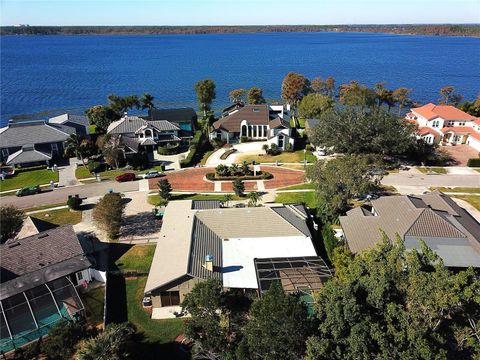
(209, 262)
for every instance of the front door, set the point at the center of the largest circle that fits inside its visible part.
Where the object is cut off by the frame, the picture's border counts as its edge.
(280, 141)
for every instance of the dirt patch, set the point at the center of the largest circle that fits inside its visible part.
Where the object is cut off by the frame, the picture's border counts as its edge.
(460, 153)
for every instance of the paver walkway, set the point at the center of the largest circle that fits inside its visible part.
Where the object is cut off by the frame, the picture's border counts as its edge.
(66, 174)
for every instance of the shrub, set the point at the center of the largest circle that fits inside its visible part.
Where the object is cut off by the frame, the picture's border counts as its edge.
(222, 170)
(164, 189)
(168, 150)
(289, 147)
(108, 214)
(74, 203)
(243, 139)
(94, 166)
(473, 162)
(238, 187)
(308, 147)
(11, 221)
(138, 161)
(274, 150)
(329, 241)
(63, 339)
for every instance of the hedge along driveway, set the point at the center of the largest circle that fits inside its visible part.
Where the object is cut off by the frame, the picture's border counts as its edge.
(27, 177)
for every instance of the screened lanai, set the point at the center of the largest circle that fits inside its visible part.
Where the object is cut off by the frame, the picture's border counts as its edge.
(30, 314)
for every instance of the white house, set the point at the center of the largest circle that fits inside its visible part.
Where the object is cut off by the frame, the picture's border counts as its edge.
(256, 122)
(445, 124)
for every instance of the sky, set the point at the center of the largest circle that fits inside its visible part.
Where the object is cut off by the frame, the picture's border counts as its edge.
(237, 12)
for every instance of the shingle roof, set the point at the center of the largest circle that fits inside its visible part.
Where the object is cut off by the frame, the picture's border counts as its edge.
(278, 122)
(27, 155)
(172, 115)
(33, 132)
(42, 257)
(253, 114)
(430, 224)
(69, 118)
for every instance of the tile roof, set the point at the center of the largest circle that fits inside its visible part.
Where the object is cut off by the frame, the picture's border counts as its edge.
(447, 112)
(33, 132)
(130, 124)
(457, 129)
(433, 217)
(424, 130)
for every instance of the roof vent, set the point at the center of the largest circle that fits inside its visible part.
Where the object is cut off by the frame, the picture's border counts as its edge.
(13, 244)
(42, 236)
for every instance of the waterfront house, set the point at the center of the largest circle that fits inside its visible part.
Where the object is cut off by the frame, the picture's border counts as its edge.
(40, 273)
(138, 134)
(445, 227)
(446, 125)
(184, 118)
(244, 248)
(78, 122)
(263, 122)
(29, 143)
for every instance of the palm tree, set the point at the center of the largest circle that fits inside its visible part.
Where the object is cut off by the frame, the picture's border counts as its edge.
(147, 101)
(74, 145)
(112, 149)
(253, 198)
(226, 199)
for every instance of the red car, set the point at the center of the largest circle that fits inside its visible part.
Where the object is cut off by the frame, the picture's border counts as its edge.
(125, 177)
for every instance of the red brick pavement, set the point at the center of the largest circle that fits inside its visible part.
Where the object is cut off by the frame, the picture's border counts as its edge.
(193, 180)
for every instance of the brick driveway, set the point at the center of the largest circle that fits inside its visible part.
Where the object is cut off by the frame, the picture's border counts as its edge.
(193, 179)
(460, 153)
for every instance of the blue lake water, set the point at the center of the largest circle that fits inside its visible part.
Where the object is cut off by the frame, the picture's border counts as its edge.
(42, 75)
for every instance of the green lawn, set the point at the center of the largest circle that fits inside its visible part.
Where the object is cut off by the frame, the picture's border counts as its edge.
(306, 186)
(25, 178)
(137, 258)
(438, 170)
(473, 200)
(155, 331)
(473, 190)
(94, 300)
(82, 173)
(60, 217)
(155, 199)
(284, 157)
(308, 198)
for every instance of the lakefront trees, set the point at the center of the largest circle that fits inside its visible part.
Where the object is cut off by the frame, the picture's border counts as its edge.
(294, 88)
(255, 96)
(205, 90)
(354, 131)
(397, 304)
(237, 96)
(314, 105)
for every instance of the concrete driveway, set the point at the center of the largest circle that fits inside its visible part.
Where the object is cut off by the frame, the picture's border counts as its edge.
(248, 148)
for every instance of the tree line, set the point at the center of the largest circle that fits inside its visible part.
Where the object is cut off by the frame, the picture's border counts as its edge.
(436, 30)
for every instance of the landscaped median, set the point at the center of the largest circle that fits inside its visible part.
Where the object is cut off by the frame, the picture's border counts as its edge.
(285, 157)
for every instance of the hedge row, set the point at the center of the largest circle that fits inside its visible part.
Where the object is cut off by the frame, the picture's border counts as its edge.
(473, 162)
(198, 145)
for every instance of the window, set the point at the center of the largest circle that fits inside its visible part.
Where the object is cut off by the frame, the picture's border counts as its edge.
(461, 123)
(244, 130)
(436, 124)
(54, 147)
(5, 152)
(254, 131)
(170, 298)
(451, 123)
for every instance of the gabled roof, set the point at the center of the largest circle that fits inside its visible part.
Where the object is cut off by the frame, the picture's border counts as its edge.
(430, 224)
(424, 130)
(457, 129)
(27, 154)
(279, 122)
(447, 112)
(253, 114)
(33, 132)
(172, 115)
(33, 226)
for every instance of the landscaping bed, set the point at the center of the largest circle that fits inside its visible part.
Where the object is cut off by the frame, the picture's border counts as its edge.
(285, 157)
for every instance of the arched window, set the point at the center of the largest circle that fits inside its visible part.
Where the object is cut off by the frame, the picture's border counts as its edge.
(244, 130)
(148, 133)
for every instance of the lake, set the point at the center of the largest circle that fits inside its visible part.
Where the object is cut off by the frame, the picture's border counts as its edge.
(44, 75)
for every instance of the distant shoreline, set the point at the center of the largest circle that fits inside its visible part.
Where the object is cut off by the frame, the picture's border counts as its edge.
(468, 30)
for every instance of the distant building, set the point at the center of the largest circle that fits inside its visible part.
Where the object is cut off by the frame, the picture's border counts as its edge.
(244, 248)
(40, 272)
(269, 123)
(445, 227)
(79, 122)
(184, 118)
(445, 124)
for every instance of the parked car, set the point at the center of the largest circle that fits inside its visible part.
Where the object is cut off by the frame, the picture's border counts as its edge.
(29, 190)
(125, 177)
(152, 174)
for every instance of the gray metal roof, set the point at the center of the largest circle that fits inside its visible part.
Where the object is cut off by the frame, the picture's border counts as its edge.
(205, 204)
(27, 155)
(33, 132)
(294, 217)
(204, 242)
(172, 115)
(131, 124)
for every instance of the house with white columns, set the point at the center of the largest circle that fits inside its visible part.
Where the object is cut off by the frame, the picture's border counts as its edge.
(263, 122)
(446, 125)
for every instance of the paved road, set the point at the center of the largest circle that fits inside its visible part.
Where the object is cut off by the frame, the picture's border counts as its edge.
(408, 182)
(61, 194)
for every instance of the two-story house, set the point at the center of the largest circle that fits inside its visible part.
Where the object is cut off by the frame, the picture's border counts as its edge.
(263, 122)
(445, 124)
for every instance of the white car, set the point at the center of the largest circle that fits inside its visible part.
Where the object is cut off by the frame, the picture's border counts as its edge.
(152, 174)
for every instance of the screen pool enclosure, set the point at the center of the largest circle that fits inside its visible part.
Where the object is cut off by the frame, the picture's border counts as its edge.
(30, 314)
